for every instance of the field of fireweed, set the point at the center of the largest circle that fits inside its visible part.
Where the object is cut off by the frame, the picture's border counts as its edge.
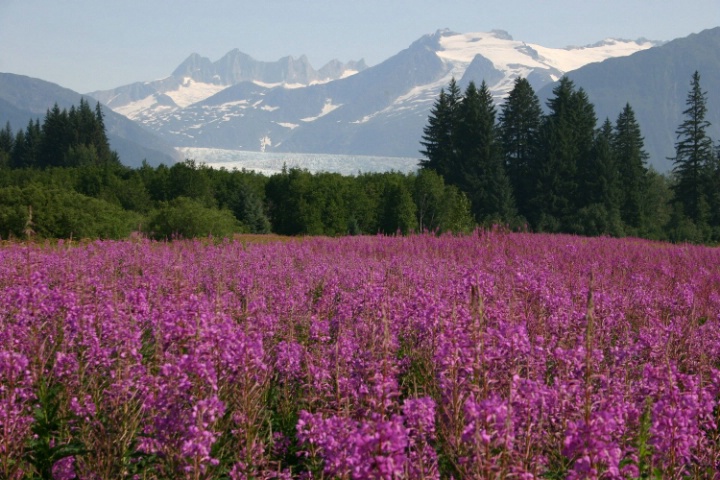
(493, 355)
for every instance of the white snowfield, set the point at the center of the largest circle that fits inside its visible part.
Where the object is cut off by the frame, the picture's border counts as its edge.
(327, 108)
(505, 53)
(517, 59)
(192, 92)
(269, 163)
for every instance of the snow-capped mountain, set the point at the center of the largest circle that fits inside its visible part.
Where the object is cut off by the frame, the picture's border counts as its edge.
(197, 78)
(238, 103)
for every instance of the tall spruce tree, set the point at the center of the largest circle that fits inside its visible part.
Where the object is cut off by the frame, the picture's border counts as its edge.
(566, 142)
(629, 150)
(584, 124)
(26, 147)
(520, 121)
(693, 157)
(99, 140)
(57, 138)
(601, 188)
(603, 179)
(439, 135)
(482, 164)
(7, 140)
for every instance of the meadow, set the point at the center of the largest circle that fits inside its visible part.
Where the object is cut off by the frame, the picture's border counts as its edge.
(491, 355)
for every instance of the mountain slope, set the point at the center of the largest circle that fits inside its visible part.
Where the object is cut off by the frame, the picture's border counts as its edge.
(655, 82)
(24, 98)
(379, 110)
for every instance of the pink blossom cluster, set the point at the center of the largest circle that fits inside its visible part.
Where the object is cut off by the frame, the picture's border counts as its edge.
(492, 355)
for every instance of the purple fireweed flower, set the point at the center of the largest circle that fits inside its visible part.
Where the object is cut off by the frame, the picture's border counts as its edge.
(374, 448)
(289, 360)
(64, 469)
(16, 404)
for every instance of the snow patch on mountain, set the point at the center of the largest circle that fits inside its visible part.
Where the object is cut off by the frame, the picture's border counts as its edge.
(135, 110)
(228, 105)
(572, 58)
(349, 73)
(504, 52)
(519, 59)
(191, 92)
(327, 108)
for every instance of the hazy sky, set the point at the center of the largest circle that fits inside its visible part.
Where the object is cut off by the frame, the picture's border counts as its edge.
(91, 45)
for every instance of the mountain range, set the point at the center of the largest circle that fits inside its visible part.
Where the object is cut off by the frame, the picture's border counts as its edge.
(235, 104)
(241, 104)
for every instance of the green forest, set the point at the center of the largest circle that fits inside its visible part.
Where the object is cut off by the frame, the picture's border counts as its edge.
(512, 166)
(561, 172)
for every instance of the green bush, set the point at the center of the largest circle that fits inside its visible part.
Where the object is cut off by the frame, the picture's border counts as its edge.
(187, 218)
(36, 210)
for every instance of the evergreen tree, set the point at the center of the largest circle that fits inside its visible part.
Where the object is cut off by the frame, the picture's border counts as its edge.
(82, 123)
(629, 150)
(600, 184)
(7, 140)
(284, 193)
(693, 157)
(584, 129)
(656, 206)
(57, 138)
(566, 142)
(99, 139)
(554, 173)
(520, 121)
(482, 166)
(237, 195)
(439, 135)
(26, 147)
(19, 154)
(603, 181)
(398, 209)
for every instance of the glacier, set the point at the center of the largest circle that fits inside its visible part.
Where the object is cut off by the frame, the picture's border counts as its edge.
(269, 163)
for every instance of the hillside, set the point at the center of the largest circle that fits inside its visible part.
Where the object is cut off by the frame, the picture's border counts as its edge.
(24, 98)
(655, 82)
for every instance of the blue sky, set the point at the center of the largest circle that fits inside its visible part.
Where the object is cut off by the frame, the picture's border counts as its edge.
(91, 45)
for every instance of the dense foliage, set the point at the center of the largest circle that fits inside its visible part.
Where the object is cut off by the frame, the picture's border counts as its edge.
(491, 355)
(559, 172)
(83, 191)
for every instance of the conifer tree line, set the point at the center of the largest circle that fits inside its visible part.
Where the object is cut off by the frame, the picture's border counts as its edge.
(561, 172)
(66, 138)
(60, 179)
